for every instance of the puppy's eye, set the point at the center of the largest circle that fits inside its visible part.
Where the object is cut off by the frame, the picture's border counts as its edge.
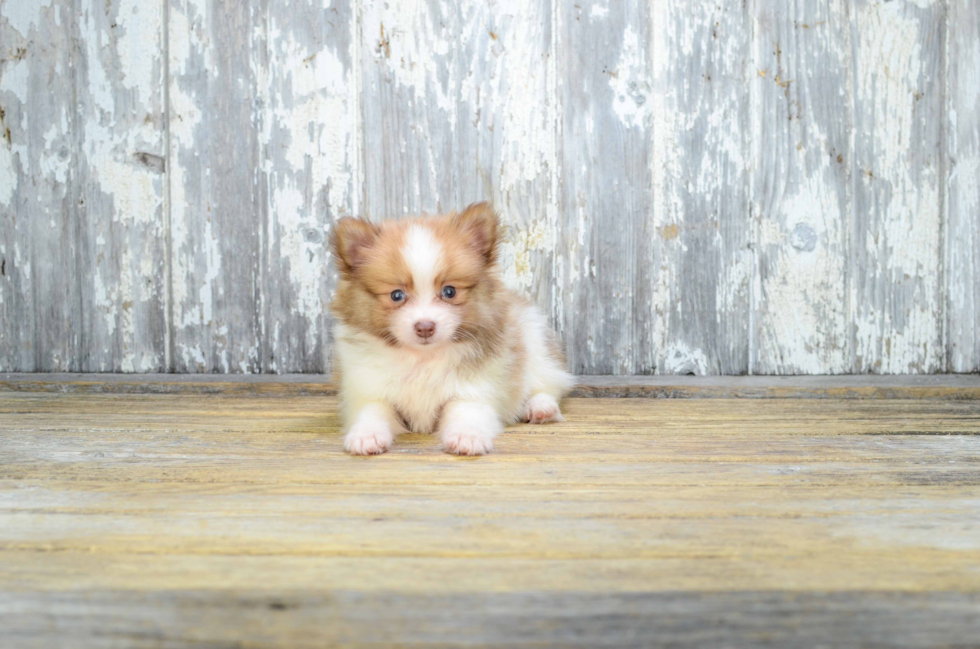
(448, 292)
(397, 295)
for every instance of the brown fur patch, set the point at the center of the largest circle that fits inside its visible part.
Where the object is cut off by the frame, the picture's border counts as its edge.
(480, 226)
(349, 239)
(369, 275)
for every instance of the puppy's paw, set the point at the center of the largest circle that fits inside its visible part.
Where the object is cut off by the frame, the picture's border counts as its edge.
(542, 408)
(368, 438)
(467, 441)
(468, 428)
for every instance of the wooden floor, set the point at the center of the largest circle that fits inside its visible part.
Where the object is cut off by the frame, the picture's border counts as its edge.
(171, 520)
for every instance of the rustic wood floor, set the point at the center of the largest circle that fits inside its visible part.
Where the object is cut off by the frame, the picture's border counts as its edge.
(148, 520)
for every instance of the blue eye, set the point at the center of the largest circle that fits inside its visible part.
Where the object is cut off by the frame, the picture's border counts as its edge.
(397, 295)
(448, 292)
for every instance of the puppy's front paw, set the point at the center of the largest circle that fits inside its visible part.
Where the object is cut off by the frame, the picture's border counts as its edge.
(366, 438)
(467, 441)
(542, 408)
(468, 428)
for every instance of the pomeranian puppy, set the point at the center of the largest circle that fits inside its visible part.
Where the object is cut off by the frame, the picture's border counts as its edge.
(427, 339)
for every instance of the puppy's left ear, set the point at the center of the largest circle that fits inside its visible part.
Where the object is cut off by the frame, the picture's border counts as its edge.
(479, 223)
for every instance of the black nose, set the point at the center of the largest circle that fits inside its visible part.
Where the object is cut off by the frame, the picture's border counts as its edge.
(425, 328)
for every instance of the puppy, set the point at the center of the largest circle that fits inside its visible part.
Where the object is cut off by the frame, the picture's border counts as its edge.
(427, 339)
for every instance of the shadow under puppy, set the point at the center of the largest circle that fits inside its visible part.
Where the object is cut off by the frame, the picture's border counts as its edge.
(427, 339)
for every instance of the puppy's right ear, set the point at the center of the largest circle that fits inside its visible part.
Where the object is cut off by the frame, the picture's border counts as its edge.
(351, 239)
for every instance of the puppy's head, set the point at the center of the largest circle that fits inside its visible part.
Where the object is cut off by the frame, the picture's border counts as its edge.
(419, 283)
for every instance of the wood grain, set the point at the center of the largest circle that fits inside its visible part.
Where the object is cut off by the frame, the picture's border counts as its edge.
(302, 619)
(932, 387)
(409, 84)
(962, 238)
(121, 165)
(895, 240)
(218, 208)
(182, 519)
(507, 134)
(702, 260)
(801, 198)
(763, 188)
(310, 153)
(606, 226)
(40, 303)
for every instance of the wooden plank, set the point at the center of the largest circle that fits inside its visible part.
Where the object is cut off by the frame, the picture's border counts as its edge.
(671, 444)
(963, 198)
(942, 386)
(38, 299)
(409, 91)
(321, 473)
(507, 130)
(895, 241)
(142, 575)
(310, 144)
(121, 183)
(801, 201)
(46, 573)
(218, 199)
(149, 520)
(271, 618)
(782, 387)
(232, 501)
(420, 527)
(260, 414)
(606, 199)
(701, 203)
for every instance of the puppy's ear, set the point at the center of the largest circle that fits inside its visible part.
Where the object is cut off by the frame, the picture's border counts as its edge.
(480, 225)
(351, 239)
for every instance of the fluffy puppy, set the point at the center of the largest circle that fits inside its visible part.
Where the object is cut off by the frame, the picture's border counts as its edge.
(427, 339)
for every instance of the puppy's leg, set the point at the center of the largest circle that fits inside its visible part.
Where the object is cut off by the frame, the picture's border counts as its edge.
(373, 430)
(542, 408)
(544, 371)
(468, 428)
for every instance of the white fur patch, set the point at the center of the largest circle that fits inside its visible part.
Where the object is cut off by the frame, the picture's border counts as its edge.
(468, 428)
(371, 432)
(422, 253)
(542, 408)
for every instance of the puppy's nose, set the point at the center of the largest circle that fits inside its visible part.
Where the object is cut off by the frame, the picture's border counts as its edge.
(425, 328)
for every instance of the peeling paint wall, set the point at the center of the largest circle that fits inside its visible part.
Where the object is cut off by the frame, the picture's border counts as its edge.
(709, 188)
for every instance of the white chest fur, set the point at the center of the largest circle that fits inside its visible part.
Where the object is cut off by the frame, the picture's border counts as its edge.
(416, 384)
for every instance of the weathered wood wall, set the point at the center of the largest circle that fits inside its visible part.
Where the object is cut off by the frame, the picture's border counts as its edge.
(762, 186)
